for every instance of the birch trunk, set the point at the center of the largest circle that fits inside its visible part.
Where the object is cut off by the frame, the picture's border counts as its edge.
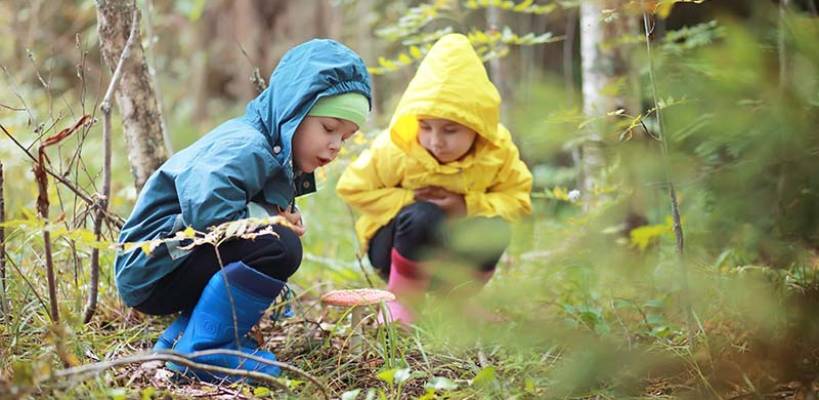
(135, 95)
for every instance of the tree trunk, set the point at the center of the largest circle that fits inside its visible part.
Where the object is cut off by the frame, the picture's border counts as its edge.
(247, 31)
(136, 98)
(321, 18)
(365, 44)
(199, 69)
(605, 66)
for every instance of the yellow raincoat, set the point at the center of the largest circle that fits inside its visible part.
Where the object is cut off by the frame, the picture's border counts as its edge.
(451, 83)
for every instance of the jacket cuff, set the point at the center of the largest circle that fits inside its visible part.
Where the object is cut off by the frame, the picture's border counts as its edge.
(473, 200)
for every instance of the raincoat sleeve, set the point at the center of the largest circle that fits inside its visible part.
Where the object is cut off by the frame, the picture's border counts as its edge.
(509, 196)
(371, 185)
(218, 185)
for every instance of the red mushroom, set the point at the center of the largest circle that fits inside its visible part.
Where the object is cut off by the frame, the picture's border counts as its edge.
(356, 299)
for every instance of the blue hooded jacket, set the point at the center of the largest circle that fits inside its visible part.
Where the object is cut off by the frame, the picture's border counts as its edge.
(246, 159)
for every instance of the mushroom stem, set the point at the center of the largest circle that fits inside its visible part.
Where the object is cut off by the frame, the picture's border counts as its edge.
(358, 331)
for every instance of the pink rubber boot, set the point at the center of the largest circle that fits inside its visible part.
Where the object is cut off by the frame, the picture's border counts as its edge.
(407, 282)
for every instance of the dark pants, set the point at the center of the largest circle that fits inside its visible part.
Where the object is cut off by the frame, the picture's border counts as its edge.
(277, 257)
(422, 231)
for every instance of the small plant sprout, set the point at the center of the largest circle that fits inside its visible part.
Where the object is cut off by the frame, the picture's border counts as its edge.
(357, 299)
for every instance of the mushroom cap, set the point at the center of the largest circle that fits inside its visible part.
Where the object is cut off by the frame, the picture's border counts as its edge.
(356, 297)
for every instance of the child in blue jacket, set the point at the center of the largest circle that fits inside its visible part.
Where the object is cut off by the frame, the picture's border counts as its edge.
(318, 96)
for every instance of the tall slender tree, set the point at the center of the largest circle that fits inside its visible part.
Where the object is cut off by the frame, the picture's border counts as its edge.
(606, 75)
(135, 95)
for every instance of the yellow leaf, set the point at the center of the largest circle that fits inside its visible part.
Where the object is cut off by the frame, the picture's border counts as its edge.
(387, 64)
(415, 52)
(479, 37)
(147, 248)
(523, 5)
(403, 58)
(664, 9)
(643, 236)
(560, 193)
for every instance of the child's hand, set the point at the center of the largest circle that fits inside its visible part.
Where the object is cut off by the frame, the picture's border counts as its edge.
(452, 203)
(295, 219)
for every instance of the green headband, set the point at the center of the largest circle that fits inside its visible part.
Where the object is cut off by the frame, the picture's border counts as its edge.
(353, 107)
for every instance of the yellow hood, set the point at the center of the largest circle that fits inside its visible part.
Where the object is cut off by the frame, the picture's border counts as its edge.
(451, 83)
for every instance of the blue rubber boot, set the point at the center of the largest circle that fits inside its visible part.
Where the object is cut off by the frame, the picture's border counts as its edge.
(171, 333)
(211, 325)
(168, 338)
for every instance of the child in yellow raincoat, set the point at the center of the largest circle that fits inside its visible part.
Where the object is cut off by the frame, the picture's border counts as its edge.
(445, 160)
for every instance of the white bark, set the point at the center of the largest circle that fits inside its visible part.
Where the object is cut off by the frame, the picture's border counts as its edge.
(604, 63)
(135, 95)
(497, 67)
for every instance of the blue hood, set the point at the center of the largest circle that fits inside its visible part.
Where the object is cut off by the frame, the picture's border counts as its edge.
(306, 73)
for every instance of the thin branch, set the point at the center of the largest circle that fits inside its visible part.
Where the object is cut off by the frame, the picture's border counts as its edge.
(46, 86)
(43, 207)
(256, 76)
(29, 284)
(11, 108)
(105, 107)
(3, 310)
(229, 295)
(114, 219)
(675, 208)
(186, 360)
(42, 210)
(41, 131)
(79, 372)
(14, 90)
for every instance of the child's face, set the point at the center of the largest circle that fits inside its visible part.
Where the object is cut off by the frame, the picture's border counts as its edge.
(318, 141)
(446, 140)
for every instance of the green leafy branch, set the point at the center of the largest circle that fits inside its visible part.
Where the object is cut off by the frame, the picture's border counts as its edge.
(524, 7)
(488, 44)
(414, 20)
(688, 38)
